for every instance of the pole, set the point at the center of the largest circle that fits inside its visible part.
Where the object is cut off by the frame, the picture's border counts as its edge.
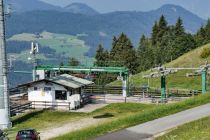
(34, 62)
(125, 86)
(4, 97)
(203, 81)
(163, 88)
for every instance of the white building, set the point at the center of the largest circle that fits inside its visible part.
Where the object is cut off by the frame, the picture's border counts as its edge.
(61, 92)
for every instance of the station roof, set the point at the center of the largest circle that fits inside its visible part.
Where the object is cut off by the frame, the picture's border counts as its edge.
(63, 80)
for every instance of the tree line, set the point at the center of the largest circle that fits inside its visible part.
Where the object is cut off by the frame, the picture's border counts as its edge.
(167, 42)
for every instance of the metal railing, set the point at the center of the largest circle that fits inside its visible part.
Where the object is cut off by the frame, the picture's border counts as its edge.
(139, 91)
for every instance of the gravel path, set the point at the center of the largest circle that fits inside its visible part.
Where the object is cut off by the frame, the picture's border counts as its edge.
(69, 127)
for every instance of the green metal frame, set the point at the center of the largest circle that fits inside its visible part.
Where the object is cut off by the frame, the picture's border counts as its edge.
(204, 79)
(163, 88)
(121, 70)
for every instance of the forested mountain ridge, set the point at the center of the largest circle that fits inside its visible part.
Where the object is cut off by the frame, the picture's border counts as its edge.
(79, 8)
(99, 28)
(20, 6)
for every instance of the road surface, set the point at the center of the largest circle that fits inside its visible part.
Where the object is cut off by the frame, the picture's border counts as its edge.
(147, 130)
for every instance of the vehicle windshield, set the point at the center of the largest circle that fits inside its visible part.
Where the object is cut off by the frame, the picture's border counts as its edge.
(1, 133)
(25, 132)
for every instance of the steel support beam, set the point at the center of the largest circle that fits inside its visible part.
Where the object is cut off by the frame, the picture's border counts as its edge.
(163, 88)
(203, 79)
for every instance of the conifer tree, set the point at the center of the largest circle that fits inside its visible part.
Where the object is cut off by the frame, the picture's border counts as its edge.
(179, 28)
(101, 56)
(123, 53)
(162, 28)
(74, 62)
(154, 33)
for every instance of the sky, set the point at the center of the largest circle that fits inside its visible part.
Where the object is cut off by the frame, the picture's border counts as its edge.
(199, 7)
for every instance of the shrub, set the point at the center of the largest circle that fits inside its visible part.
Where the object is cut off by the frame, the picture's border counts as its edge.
(205, 53)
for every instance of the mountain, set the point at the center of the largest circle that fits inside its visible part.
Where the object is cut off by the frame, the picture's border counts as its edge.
(102, 27)
(172, 12)
(79, 8)
(199, 7)
(30, 5)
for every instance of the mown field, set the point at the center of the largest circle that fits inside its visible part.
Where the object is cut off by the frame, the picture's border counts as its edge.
(64, 45)
(179, 79)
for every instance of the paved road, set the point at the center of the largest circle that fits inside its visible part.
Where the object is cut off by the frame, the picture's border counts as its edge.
(147, 130)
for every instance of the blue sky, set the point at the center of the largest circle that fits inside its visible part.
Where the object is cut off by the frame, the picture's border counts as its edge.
(199, 7)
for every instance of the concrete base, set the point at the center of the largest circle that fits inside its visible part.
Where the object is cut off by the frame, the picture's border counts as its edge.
(5, 122)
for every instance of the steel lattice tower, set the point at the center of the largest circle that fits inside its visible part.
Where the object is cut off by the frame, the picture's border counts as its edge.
(4, 95)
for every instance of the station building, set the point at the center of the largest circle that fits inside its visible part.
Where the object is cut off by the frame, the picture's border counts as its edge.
(60, 92)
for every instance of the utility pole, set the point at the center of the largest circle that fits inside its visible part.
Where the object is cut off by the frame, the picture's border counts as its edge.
(33, 52)
(4, 95)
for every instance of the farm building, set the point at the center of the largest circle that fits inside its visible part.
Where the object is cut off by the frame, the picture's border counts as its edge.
(61, 92)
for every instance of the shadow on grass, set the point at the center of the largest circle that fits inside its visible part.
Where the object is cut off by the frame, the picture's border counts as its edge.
(26, 117)
(106, 115)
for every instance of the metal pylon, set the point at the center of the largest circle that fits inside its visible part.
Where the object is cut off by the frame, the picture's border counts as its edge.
(4, 97)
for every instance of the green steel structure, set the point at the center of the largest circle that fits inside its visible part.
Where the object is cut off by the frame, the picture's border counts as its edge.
(163, 72)
(204, 81)
(121, 70)
(163, 88)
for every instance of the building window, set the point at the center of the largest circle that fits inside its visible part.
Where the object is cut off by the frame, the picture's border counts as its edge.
(47, 88)
(60, 95)
(35, 88)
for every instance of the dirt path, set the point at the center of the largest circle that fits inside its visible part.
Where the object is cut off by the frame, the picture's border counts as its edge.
(69, 127)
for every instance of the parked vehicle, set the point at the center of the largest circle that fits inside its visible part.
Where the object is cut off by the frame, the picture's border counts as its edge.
(3, 135)
(28, 134)
(85, 99)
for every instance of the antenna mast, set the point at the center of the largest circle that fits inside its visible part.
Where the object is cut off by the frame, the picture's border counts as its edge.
(4, 95)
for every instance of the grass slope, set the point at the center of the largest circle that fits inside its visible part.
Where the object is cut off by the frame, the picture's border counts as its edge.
(64, 45)
(41, 120)
(179, 79)
(137, 115)
(196, 130)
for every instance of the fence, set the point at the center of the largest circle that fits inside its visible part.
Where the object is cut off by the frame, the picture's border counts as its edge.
(139, 91)
(19, 108)
(51, 105)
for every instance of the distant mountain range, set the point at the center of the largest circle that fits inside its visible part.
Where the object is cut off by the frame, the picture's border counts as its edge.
(99, 28)
(31, 5)
(34, 5)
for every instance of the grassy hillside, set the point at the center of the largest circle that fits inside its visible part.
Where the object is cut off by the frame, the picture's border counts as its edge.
(179, 79)
(195, 130)
(131, 115)
(65, 46)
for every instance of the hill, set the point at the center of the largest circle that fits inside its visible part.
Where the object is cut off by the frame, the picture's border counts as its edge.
(30, 5)
(99, 28)
(79, 8)
(179, 79)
